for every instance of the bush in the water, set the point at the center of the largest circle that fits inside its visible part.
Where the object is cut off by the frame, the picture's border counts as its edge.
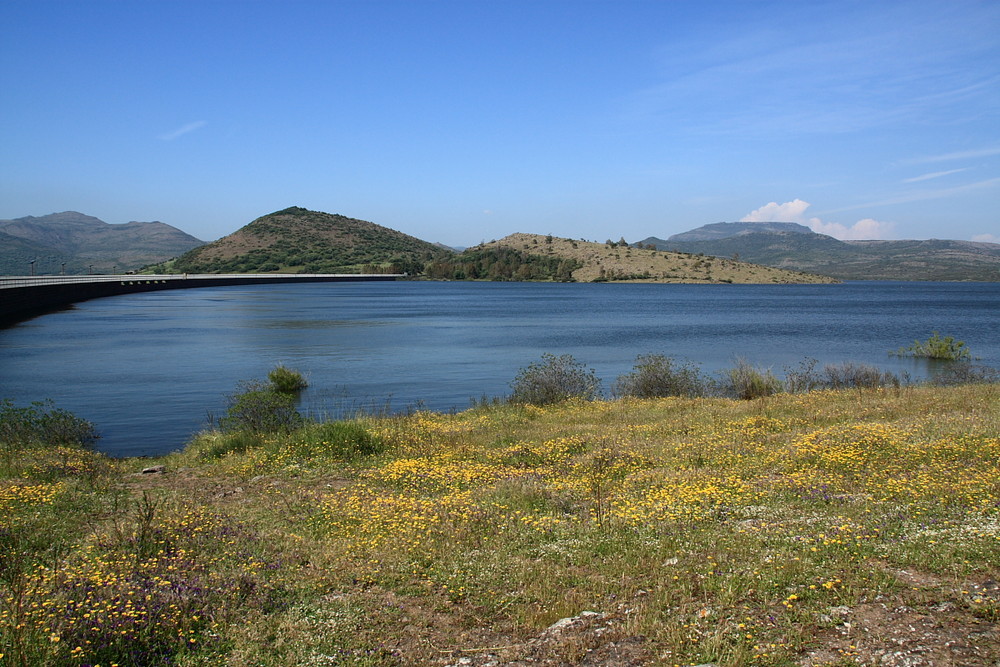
(286, 380)
(944, 348)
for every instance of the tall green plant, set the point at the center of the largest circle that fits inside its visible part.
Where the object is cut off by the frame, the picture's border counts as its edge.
(259, 409)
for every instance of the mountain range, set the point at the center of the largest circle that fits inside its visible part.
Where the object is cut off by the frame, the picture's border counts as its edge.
(790, 245)
(74, 243)
(299, 240)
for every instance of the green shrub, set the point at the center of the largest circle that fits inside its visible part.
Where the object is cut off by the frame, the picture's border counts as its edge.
(286, 381)
(746, 382)
(944, 348)
(42, 424)
(655, 375)
(554, 379)
(342, 439)
(259, 409)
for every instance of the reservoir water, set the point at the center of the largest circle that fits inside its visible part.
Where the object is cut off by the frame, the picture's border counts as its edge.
(151, 369)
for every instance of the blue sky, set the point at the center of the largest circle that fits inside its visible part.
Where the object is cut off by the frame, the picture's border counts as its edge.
(461, 122)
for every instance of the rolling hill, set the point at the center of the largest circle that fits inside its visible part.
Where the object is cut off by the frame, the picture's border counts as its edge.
(82, 241)
(792, 246)
(617, 262)
(296, 240)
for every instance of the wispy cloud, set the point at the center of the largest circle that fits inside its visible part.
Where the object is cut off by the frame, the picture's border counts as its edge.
(923, 195)
(183, 129)
(936, 174)
(958, 155)
(986, 238)
(847, 74)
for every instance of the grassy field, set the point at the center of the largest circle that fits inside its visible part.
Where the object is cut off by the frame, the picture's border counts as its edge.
(825, 528)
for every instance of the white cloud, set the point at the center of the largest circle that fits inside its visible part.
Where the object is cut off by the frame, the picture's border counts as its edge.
(794, 211)
(184, 129)
(865, 229)
(774, 212)
(986, 238)
(936, 174)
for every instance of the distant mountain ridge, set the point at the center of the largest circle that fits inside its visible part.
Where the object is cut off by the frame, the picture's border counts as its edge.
(793, 246)
(299, 240)
(83, 241)
(722, 230)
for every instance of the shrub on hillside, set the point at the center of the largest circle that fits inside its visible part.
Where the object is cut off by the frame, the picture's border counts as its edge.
(967, 374)
(554, 379)
(748, 382)
(259, 409)
(41, 423)
(655, 375)
(859, 376)
(847, 375)
(804, 378)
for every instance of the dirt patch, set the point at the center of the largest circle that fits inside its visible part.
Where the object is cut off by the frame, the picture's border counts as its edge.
(590, 639)
(933, 624)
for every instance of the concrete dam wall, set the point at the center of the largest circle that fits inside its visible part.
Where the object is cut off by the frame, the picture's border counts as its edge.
(23, 297)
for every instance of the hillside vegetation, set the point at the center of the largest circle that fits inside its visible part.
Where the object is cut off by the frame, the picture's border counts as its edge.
(85, 243)
(296, 240)
(824, 528)
(617, 261)
(792, 246)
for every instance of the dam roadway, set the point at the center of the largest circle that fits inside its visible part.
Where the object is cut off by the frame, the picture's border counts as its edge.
(23, 297)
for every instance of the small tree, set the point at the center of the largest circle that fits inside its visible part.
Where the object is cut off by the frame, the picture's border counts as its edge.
(554, 379)
(259, 409)
(655, 375)
(748, 382)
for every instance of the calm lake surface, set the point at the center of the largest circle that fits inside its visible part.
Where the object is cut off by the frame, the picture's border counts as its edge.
(149, 369)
